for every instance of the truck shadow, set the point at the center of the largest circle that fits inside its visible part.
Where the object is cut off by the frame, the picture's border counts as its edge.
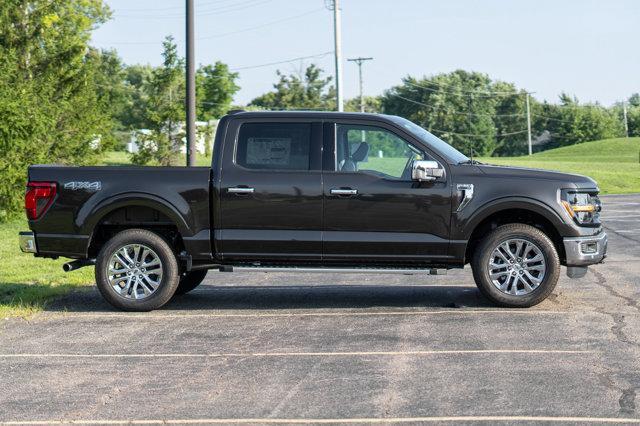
(295, 297)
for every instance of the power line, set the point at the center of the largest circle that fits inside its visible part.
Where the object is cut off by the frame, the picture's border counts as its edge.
(220, 35)
(551, 118)
(486, 93)
(464, 113)
(206, 12)
(174, 7)
(457, 112)
(266, 24)
(319, 55)
(498, 135)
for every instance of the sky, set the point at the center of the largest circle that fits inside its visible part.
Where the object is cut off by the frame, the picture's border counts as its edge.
(588, 49)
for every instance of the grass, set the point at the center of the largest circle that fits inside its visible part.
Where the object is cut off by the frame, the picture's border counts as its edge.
(27, 283)
(122, 158)
(613, 163)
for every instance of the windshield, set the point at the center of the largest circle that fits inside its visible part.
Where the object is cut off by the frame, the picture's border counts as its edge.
(429, 139)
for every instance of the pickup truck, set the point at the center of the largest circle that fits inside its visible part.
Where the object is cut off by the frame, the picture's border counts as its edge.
(316, 191)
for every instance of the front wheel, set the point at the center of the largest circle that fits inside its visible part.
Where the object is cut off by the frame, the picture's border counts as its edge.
(136, 270)
(516, 266)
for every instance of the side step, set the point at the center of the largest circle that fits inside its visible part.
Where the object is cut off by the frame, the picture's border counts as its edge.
(403, 271)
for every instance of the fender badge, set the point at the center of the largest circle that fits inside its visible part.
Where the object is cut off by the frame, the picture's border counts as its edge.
(89, 186)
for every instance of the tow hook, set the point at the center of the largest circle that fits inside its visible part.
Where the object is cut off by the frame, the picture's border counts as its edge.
(77, 264)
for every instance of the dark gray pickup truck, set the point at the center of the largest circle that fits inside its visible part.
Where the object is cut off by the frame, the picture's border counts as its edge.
(316, 191)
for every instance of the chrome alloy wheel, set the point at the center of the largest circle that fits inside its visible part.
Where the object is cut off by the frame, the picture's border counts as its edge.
(134, 271)
(517, 267)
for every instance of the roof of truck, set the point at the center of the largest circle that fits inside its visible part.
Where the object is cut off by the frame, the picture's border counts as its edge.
(303, 113)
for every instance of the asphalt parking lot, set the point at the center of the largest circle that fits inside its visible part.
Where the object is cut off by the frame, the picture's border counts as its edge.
(313, 348)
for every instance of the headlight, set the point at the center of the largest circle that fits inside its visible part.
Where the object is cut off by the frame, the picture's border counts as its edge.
(583, 207)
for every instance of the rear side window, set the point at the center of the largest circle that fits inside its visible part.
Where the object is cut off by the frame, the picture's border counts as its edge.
(274, 146)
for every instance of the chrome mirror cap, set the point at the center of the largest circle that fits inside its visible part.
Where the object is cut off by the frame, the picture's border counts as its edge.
(425, 171)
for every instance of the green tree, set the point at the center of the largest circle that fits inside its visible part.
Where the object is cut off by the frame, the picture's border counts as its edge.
(112, 92)
(458, 107)
(510, 119)
(633, 115)
(633, 118)
(164, 111)
(50, 104)
(372, 104)
(215, 87)
(570, 123)
(136, 78)
(310, 92)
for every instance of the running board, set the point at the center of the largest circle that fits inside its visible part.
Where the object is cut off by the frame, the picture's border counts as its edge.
(403, 271)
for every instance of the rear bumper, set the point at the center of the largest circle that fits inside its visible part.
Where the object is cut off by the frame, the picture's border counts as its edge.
(583, 251)
(28, 242)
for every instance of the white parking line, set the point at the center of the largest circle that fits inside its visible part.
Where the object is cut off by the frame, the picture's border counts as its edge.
(362, 420)
(301, 354)
(303, 314)
(620, 203)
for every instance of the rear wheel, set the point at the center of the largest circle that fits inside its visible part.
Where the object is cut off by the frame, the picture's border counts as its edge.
(190, 280)
(136, 270)
(516, 266)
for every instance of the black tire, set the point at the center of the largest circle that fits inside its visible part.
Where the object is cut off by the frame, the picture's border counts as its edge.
(190, 280)
(168, 264)
(484, 251)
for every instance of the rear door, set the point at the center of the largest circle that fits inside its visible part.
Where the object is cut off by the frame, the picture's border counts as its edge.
(373, 211)
(271, 190)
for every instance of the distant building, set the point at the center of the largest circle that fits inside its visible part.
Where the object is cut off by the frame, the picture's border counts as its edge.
(132, 145)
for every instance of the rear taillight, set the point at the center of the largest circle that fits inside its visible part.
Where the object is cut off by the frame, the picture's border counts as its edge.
(38, 198)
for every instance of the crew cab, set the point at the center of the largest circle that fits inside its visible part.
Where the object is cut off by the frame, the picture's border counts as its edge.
(316, 191)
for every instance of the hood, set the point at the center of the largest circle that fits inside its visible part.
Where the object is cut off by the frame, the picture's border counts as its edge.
(579, 181)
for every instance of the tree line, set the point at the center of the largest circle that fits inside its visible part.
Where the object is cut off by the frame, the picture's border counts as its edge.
(469, 110)
(63, 101)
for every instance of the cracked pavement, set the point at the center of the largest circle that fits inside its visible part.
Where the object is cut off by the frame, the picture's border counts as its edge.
(260, 348)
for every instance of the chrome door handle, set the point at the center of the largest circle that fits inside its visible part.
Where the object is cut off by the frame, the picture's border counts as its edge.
(240, 190)
(344, 192)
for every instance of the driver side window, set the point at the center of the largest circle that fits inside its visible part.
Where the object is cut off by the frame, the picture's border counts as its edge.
(375, 150)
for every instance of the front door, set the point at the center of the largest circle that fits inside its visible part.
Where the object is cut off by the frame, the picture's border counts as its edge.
(373, 210)
(271, 191)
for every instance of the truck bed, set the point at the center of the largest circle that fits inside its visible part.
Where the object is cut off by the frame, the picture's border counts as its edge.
(85, 196)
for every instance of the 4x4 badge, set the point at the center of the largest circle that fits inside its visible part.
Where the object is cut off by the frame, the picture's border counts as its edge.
(89, 186)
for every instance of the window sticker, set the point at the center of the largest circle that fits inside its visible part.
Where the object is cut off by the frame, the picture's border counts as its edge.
(272, 151)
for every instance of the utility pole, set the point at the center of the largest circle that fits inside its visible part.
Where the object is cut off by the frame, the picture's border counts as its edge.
(529, 124)
(359, 62)
(626, 121)
(191, 89)
(337, 50)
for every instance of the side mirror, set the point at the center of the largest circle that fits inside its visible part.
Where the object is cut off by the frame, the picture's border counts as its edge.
(426, 171)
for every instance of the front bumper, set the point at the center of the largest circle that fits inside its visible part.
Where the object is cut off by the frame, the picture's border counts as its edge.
(28, 242)
(583, 251)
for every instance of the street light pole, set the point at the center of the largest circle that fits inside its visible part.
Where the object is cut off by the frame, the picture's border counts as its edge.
(359, 62)
(626, 120)
(191, 88)
(337, 38)
(529, 125)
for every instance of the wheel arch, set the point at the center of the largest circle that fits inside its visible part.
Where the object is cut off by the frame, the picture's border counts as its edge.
(527, 211)
(133, 210)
